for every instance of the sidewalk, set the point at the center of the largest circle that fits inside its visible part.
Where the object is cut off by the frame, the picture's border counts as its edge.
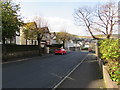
(87, 75)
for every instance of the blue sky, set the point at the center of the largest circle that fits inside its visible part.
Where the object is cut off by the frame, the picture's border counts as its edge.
(59, 13)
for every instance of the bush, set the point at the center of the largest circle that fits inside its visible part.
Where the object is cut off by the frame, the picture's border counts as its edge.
(110, 53)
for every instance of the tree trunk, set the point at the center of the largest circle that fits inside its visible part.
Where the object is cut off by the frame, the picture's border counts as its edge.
(26, 41)
(39, 45)
(108, 36)
(40, 49)
(32, 42)
(15, 40)
(3, 40)
(92, 34)
(64, 44)
(35, 42)
(10, 41)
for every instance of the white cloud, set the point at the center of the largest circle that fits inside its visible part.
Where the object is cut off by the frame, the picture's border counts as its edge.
(57, 24)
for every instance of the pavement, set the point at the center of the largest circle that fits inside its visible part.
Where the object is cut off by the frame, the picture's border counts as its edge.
(87, 75)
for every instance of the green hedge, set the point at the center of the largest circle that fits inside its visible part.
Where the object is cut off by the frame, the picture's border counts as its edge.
(110, 53)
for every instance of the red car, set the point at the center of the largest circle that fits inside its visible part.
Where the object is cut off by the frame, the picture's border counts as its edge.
(60, 51)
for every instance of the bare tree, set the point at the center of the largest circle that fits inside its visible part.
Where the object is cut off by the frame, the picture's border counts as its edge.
(42, 30)
(107, 18)
(40, 21)
(102, 21)
(84, 16)
(63, 36)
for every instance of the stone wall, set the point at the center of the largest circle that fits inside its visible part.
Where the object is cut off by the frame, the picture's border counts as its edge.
(18, 51)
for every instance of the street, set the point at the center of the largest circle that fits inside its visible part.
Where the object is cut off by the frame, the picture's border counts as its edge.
(40, 72)
(82, 33)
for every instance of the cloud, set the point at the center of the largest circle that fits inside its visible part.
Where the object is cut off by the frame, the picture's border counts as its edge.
(57, 24)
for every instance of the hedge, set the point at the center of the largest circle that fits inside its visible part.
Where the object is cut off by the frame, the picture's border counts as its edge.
(110, 53)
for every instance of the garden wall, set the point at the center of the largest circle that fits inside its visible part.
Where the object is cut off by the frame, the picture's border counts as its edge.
(108, 82)
(18, 51)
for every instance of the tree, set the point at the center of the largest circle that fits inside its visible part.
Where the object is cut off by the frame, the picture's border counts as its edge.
(84, 17)
(107, 18)
(30, 31)
(26, 34)
(11, 21)
(36, 30)
(102, 21)
(63, 36)
(42, 30)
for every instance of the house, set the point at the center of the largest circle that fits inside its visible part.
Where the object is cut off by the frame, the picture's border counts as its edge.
(24, 39)
(73, 44)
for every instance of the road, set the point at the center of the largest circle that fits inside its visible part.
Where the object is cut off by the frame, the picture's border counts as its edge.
(40, 72)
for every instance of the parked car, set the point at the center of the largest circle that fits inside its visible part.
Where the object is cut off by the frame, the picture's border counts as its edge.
(60, 51)
(91, 50)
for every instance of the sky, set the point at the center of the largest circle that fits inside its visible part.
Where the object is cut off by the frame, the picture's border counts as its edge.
(58, 13)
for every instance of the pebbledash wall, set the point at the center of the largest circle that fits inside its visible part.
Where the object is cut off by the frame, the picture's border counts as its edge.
(17, 51)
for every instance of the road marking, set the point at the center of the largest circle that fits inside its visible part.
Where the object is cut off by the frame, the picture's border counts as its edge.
(56, 75)
(69, 73)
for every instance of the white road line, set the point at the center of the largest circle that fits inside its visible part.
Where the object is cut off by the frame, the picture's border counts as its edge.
(69, 73)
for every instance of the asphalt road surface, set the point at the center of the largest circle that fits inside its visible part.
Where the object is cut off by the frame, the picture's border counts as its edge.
(40, 72)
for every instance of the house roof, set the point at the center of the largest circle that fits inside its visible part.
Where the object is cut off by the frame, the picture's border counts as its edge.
(31, 25)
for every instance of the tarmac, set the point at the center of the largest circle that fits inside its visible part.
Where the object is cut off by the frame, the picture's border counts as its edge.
(88, 75)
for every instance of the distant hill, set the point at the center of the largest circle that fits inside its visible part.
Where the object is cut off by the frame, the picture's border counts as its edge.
(113, 36)
(84, 36)
(98, 36)
(101, 36)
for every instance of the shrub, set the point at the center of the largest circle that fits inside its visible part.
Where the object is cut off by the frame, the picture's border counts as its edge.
(110, 53)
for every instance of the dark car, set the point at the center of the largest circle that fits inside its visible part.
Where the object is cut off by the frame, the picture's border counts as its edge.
(90, 49)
